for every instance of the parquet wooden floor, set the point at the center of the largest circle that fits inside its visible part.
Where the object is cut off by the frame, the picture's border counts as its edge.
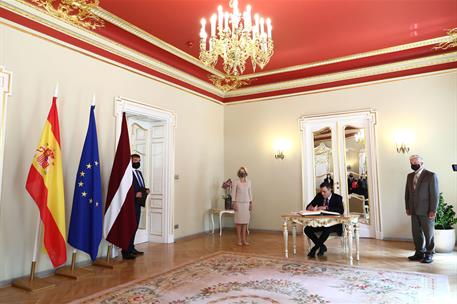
(162, 257)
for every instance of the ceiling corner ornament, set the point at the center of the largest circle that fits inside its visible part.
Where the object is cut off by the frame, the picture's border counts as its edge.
(236, 38)
(451, 42)
(77, 12)
(228, 83)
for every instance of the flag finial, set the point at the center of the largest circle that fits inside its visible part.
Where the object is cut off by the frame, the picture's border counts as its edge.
(93, 100)
(56, 90)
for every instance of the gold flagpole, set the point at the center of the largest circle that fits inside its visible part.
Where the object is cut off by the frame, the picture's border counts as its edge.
(32, 283)
(71, 271)
(108, 262)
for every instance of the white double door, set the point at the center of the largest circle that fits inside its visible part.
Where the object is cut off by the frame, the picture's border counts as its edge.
(340, 149)
(147, 138)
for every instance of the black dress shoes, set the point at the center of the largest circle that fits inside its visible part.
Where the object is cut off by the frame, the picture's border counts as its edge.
(136, 252)
(128, 256)
(416, 257)
(312, 252)
(322, 250)
(427, 259)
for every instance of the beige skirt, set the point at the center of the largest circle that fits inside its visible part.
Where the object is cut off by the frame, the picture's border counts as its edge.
(242, 215)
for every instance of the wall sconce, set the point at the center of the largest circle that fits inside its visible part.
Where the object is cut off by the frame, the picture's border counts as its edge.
(279, 155)
(280, 147)
(402, 140)
(402, 148)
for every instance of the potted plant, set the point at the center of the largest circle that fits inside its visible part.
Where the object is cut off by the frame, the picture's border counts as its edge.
(444, 232)
(227, 186)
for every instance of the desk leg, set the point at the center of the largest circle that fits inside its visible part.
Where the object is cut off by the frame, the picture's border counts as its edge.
(286, 241)
(294, 237)
(305, 244)
(357, 245)
(350, 242)
(220, 224)
(212, 222)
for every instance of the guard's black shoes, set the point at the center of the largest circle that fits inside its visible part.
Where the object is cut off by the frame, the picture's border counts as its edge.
(416, 257)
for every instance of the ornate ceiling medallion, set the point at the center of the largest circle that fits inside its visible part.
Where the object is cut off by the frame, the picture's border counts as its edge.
(228, 83)
(78, 12)
(451, 43)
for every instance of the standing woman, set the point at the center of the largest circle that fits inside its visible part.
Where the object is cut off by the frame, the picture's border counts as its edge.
(242, 204)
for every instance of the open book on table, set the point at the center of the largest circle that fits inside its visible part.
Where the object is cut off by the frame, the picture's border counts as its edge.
(317, 212)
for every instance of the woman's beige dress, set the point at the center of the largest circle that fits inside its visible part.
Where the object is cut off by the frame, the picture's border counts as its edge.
(241, 193)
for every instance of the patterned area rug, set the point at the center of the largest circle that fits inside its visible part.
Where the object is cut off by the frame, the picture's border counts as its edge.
(246, 279)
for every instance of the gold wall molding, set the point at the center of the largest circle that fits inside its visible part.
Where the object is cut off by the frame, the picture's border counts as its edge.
(352, 74)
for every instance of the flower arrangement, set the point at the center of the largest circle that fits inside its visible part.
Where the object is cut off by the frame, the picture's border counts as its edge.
(227, 186)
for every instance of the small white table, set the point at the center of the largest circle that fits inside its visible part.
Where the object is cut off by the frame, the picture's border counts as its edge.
(221, 213)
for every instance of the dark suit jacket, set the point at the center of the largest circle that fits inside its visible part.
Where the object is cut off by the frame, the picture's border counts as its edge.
(137, 188)
(335, 204)
(424, 198)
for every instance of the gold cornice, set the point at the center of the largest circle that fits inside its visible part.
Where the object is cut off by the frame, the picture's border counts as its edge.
(132, 29)
(343, 87)
(351, 74)
(26, 9)
(125, 25)
(23, 8)
(103, 59)
(383, 51)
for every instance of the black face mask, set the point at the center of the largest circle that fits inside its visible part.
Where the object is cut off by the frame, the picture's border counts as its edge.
(415, 167)
(136, 165)
(242, 174)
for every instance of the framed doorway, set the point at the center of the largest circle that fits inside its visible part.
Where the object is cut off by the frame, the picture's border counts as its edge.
(152, 136)
(342, 148)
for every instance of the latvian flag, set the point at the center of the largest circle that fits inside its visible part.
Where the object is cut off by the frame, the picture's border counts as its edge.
(120, 221)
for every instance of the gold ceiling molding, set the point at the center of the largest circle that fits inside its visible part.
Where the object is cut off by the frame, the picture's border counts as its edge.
(352, 74)
(228, 83)
(343, 87)
(393, 49)
(125, 25)
(77, 12)
(101, 58)
(136, 31)
(452, 40)
(24, 8)
(28, 10)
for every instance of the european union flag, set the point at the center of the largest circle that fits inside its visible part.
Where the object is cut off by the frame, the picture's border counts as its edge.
(86, 223)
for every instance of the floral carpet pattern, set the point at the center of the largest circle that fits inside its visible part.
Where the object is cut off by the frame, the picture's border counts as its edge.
(243, 279)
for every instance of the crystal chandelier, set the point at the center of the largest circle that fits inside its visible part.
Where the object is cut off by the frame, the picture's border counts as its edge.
(236, 37)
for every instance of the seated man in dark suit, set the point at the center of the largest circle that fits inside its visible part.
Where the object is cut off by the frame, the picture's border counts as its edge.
(324, 200)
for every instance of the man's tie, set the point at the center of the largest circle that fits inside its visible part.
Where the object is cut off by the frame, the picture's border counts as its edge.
(326, 202)
(416, 178)
(140, 179)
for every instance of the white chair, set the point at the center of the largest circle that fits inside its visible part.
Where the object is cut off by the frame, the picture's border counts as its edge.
(358, 205)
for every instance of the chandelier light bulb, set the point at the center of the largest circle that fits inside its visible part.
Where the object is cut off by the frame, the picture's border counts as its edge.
(237, 37)
(262, 26)
(269, 28)
(213, 25)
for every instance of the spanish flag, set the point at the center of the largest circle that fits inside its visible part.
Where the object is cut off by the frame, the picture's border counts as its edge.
(45, 186)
